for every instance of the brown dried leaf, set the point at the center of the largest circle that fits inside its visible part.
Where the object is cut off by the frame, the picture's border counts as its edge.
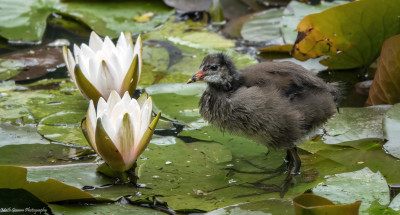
(385, 88)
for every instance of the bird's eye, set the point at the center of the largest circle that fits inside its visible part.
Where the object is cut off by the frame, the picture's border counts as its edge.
(213, 67)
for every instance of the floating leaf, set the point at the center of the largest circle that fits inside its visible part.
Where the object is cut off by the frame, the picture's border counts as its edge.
(353, 124)
(391, 131)
(13, 177)
(308, 203)
(10, 68)
(116, 208)
(15, 135)
(106, 18)
(295, 11)
(36, 62)
(265, 207)
(189, 5)
(385, 88)
(363, 185)
(264, 26)
(348, 44)
(38, 154)
(63, 127)
(395, 203)
(177, 101)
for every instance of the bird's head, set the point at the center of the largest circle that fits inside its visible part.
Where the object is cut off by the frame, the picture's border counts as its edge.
(216, 69)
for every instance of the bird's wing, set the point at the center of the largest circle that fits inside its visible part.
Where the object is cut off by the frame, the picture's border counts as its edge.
(289, 78)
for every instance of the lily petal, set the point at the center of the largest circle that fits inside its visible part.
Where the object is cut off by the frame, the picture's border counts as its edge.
(69, 61)
(95, 42)
(126, 136)
(86, 88)
(147, 135)
(142, 99)
(130, 80)
(138, 50)
(145, 116)
(90, 125)
(107, 150)
(113, 99)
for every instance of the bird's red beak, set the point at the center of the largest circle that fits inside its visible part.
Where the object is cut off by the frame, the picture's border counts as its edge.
(198, 76)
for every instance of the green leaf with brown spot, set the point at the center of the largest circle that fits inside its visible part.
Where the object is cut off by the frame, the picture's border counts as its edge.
(350, 35)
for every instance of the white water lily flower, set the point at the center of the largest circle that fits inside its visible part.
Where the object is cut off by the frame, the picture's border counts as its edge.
(120, 130)
(101, 67)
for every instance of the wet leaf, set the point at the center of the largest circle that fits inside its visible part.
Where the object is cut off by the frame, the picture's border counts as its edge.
(115, 208)
(239, 146)
(10, 68)
(391, 131)
(308, 203)
(191, 38)
(13, 106)
(177, 102)
(363, 185)
(385, 88)
(295, 11)
(106, 18)
(189, 5)
(13, 177)
(265, 207)
(15, 135)
(347, 44)
(353, 124)
(79, 174)
(264, 26)
(63, 127)
(395, 203)
(36, 62)
(39, 154)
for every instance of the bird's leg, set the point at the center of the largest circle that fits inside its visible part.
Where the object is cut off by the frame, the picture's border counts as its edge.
(293, 164)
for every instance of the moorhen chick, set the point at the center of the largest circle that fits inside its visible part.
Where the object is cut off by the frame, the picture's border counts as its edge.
(273, 103)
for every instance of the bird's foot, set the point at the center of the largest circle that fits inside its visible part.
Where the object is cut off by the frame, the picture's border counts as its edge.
(292, 165)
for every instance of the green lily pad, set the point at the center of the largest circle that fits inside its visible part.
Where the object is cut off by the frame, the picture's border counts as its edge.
(115, 208)
(38, 154)
(353, 124)
(10, 68)
(63, 127)
(391, 131)
(239, 146)
(347, 44)
(79, 174)
(67, 99)
(264, 26)
(7, 86)
(13, 177)
(295, 11)
(106, 18)
(15, 135)
(13, 106)
(348, 187)
(177, 101)
(395, 203)
(192, 39)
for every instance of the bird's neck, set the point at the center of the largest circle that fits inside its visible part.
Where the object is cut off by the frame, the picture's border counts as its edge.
(227, 84)
(215, 106)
